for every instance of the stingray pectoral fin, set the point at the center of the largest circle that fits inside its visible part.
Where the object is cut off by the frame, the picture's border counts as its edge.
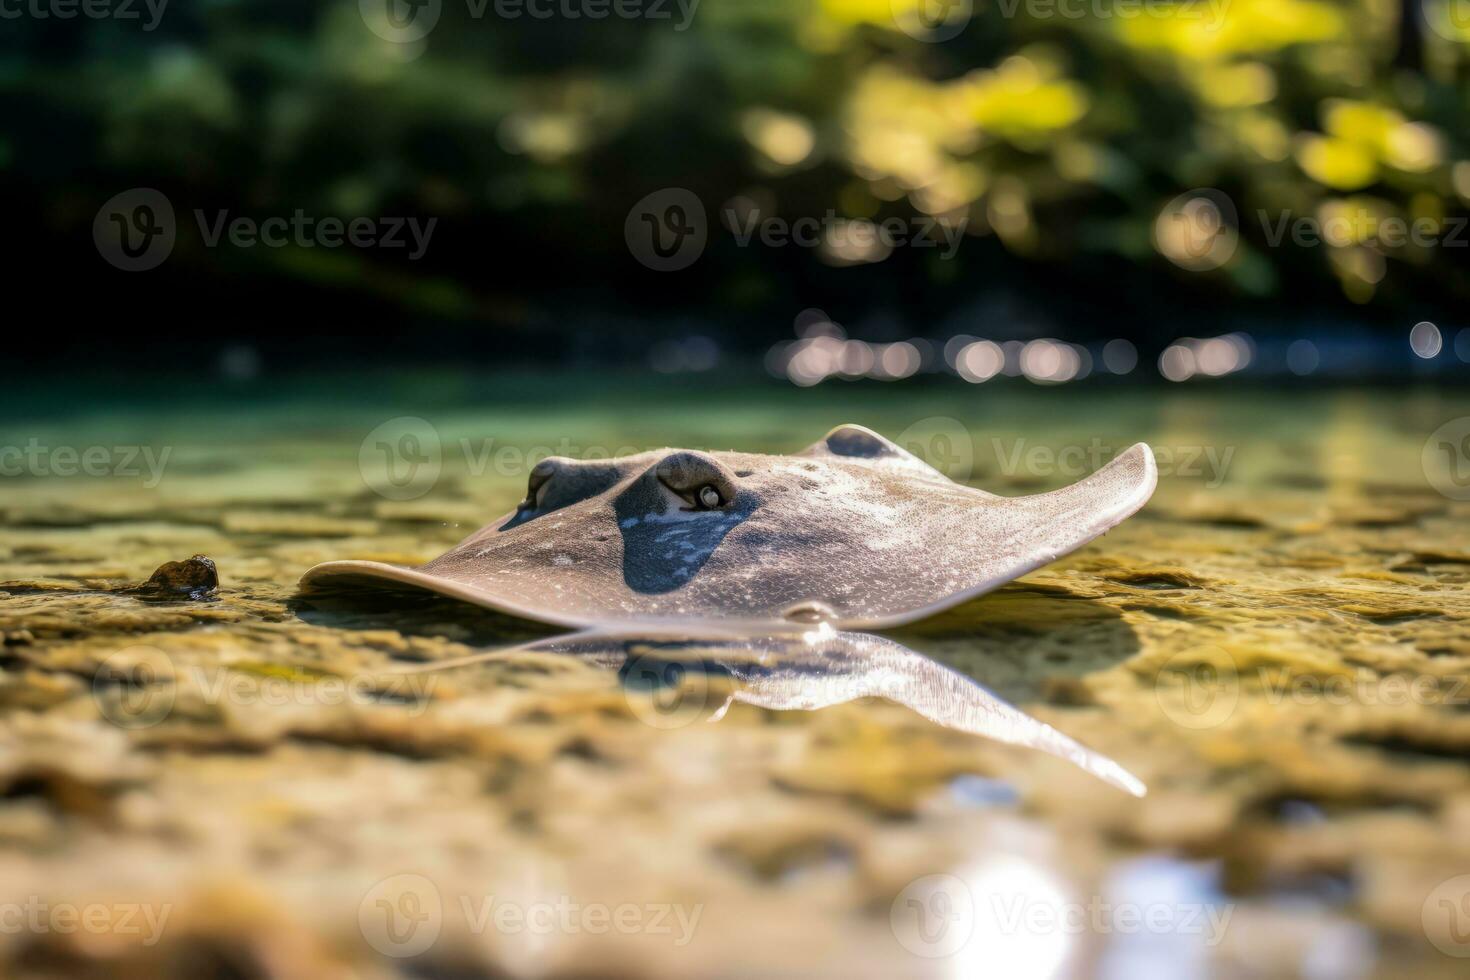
(1074, 515)
(1006, 537)
(350, 574)
(1103, 500)
(1046, 526)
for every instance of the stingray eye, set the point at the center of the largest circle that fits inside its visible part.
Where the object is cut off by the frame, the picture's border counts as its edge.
(700, 480)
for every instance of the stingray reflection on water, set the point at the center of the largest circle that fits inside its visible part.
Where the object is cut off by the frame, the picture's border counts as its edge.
(806, 669)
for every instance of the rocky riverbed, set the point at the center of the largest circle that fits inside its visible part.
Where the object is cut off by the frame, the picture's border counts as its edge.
(243, 781)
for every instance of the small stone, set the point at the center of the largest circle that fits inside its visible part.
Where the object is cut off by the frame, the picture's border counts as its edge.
(194, 577)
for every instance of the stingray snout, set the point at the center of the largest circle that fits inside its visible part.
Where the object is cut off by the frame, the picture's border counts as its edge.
(556, 482)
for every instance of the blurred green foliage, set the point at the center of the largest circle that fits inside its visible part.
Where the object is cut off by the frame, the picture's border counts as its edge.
(1059, 129)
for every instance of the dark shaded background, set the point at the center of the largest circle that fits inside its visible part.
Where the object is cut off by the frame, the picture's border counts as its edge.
(529, 140)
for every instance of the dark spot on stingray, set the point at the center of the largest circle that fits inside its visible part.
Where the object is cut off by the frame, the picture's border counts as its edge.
(193, 578)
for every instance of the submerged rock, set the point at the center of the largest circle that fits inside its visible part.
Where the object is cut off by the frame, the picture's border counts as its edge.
(193, 578)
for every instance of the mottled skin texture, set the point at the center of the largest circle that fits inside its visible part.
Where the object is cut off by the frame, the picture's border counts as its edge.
(853, 529)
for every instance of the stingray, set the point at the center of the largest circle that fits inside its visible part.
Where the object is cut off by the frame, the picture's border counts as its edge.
(853, 530)
(706, 669)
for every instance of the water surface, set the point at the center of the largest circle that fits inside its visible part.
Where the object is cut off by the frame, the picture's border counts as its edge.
(1277, 645)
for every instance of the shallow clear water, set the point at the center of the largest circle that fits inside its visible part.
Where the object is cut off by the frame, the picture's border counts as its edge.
(1277, 645)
